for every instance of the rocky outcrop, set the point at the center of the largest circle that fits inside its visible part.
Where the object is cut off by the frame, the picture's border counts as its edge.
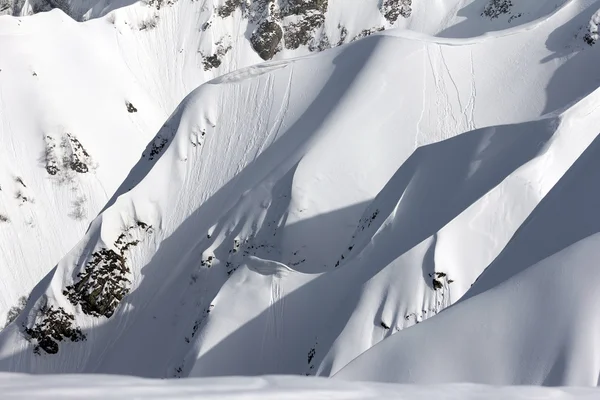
(265, 40)
(392, 9)
(104, 282)
(52, 326)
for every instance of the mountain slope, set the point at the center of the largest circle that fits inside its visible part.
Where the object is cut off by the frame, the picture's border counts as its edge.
(79, 101)
(529, 312)
(442, 218)
(227, 233)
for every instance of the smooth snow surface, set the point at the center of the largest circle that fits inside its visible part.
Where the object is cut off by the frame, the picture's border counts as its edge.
(418, 206)
(65, 84)
(13, 386)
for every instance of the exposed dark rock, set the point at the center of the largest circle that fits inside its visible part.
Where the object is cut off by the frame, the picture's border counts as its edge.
(590, 39)
(104, 282)
(130, 107)
(367, 32)
(311, 354)
(298, 7)
(53, 326)
(214, 60)
(343, 35)
(229, 7)
(265, 40)
(496, 8)
(156, 147)
(303, 31)
(78, 158)
(392, 9)
(160, 3)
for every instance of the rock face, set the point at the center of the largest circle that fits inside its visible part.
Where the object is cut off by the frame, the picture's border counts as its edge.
(275, 25)
(392, 9)
(53, 325)
(265, 40)
(105, 280)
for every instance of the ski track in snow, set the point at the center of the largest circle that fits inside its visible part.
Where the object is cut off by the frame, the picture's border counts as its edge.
(280, 117)
(447, 69)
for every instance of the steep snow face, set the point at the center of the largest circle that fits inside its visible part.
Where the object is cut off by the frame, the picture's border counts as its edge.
(80, 101)
(76, 116)
(529, 311)
(443, 217)
(70, 116)
(270, 387)
(221, 247)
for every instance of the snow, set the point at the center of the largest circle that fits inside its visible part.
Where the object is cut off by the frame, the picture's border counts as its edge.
(417, 206)
(268, 387)
(54, 82)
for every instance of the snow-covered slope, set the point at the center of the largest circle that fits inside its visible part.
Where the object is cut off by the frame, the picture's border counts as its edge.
(530, 311)
(246, 239)
(17, 386)
(443, 217)
(79, 101)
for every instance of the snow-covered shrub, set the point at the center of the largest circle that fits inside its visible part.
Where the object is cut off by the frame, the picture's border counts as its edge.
(4, 218)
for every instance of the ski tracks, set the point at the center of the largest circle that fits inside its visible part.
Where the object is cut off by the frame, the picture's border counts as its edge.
(469, 111)
(442, 100)
(273, 333)
(274, 131)
(448, 123)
